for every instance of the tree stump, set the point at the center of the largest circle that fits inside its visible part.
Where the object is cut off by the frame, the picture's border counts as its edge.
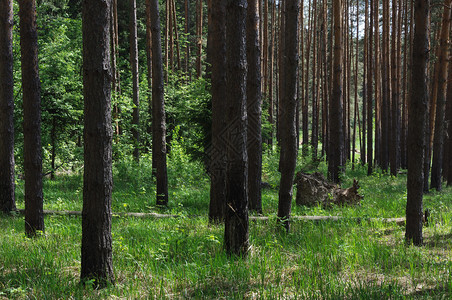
(314, 189)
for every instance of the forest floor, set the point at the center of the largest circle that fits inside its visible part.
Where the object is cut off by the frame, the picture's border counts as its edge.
(183, 257)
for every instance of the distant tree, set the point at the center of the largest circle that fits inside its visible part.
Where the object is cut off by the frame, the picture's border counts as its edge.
(336, 140)
(236, 216)
(96, 253)
(217, 43)
(135, 78)
(7, 198)
(254, 107)
(288, 108)
(34, 217)
(158, 109)
(416, 123)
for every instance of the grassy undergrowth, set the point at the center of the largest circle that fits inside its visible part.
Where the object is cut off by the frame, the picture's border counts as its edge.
(184, 257)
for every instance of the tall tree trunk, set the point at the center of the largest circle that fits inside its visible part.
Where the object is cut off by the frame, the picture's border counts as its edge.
(254, 109)
(356, 106)
(394, 133)
(236, 219)
(282, 66)
(386, 87)
(96, 252)
(377, 74)
(416, 123)
(365, 84)
(34, 218)
(114, 66)
(448, 161)
(272, 72)
(305, 100)
(149, 65)
(135, 79)
(289, 147)
(7, 198)
(218, 148)
(405, 90)
(336, 136)
(438, 142)
(314, 82)
(370, 71)
(158, 109)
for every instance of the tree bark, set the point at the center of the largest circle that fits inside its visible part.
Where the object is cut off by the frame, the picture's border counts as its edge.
(236, 237)
(199, 42)
(34, 218)
(158, 109)
(7, 186)
(254, 108)
(439, 133)
(416, 123)
(336, 136)
(135, 79)
(218, 148)
(96, 252)
(288, 108)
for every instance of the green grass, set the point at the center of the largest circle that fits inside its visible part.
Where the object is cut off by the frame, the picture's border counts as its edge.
(184, 257)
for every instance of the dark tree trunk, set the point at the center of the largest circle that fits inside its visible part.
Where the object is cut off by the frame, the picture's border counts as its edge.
(34, 218)
(336, 136)
(439, 133)
(158, 109)
(448, 145)
(416, 123)
(7, 199)
(288, 109)
(135, 79)
(96, 251)
(217, 38)
(254, 109)
(236, 219)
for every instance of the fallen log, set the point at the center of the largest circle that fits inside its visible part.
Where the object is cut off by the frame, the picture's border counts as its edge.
(314, 189)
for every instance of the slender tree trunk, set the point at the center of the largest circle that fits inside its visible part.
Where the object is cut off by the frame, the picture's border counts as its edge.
(377, 74)
(416, 123)
(135, 79)
(7, 198)
(34, 218)
(356, 106)
(438, 142)
(199, 42)
(254, 109)
(96, 253)
(448, 160)
(149, 64)
(386, 88)
(236, 222)
(305, 101)
(282, 79)
(314, 82)
(114, 71)
(218, 90)
(167, 30)
(289, 147)
(176, 36)
(272, 72)
(394, 133)
(187, 45)
(370, 71)
(158, 109)
(365, 84)
(404, 126)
